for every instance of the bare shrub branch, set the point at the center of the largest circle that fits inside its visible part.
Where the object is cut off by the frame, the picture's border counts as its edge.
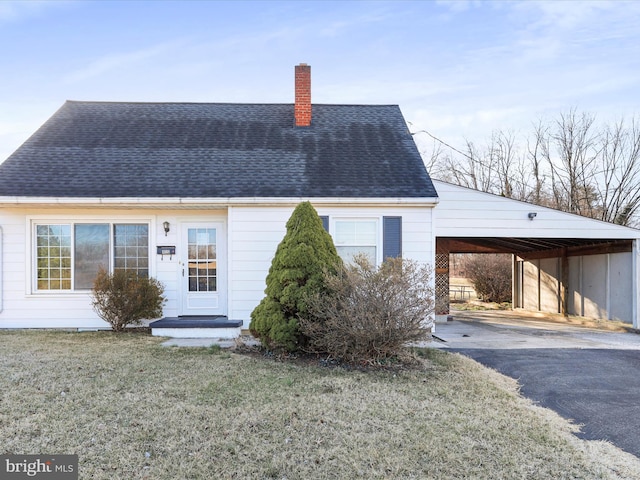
(370, 313)
(490, 275)
(125, 298)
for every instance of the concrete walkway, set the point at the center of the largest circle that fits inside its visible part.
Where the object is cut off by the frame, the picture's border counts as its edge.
(586, 375)
(499, 330)
(208, 342)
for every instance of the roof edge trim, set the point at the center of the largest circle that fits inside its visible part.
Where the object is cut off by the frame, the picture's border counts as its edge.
(210, 201)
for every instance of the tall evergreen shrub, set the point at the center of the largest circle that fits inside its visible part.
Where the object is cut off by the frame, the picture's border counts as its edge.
(296, 273)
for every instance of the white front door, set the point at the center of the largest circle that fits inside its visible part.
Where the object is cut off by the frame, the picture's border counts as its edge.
(203, 269)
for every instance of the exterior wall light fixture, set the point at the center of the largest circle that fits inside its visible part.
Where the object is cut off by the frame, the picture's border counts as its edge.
(166, 227)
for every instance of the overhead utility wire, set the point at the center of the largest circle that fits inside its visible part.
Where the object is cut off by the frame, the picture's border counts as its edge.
(443, 143)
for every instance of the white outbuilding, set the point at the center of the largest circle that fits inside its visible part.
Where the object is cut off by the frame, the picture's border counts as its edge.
(562, 263)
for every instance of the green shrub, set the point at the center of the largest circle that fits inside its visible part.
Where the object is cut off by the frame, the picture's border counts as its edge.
(370, 314)
(125, 298)
(296, 273)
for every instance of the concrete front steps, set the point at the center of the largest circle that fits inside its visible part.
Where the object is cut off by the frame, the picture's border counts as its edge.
(197, 327)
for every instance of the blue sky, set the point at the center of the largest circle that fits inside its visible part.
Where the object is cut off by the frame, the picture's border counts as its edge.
(457, 69)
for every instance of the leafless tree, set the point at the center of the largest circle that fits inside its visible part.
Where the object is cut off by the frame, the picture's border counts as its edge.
(513, 171)
(501, 153)
(437, 161)
(619, 188)
(574, 164)
(480, 168)
(467, 168)
(569, 163)
(537, 152)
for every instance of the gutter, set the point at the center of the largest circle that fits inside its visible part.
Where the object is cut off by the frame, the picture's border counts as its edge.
(209, 202)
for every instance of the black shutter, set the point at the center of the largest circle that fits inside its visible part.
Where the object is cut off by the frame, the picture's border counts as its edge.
(325, 222)
(391, 237)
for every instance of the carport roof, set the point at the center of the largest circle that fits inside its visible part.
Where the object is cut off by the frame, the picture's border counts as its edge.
(470, 221)
(525, 246)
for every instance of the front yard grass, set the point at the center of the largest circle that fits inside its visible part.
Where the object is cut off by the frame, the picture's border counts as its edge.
(130, 408)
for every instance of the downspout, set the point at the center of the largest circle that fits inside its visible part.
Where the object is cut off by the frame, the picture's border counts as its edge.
(539, 299)
(581, 263)
(607, 287)
(514, 284)
(564, 275)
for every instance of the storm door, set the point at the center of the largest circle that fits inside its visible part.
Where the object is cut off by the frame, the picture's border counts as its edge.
(202, 269)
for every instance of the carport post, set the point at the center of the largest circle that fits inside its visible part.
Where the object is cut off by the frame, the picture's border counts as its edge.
(564, 284)
(442, 282)
(635, 296)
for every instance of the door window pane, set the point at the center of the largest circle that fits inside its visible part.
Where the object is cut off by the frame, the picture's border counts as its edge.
(201, 250)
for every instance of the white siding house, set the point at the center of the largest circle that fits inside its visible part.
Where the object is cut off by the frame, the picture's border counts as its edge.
(247, 238)
(197, 196)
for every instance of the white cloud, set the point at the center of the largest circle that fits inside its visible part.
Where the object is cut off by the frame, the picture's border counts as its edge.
(15, 10)
(118, 61)
(575, 24)
(435, 121)
(554, 15)
(389, 90)
(458, 6)
(346, 26)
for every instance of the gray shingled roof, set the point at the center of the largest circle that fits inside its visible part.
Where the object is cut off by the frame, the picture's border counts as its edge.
(99, 149)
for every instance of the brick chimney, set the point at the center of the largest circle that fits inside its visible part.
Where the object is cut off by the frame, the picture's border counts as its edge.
(302, 108)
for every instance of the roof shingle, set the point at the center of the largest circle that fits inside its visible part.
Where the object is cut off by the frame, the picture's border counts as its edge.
(102, 149)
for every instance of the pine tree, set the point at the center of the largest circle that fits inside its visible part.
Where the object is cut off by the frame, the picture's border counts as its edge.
(296, 272)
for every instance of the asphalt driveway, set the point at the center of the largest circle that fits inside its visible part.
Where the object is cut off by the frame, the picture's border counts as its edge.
(589, 376)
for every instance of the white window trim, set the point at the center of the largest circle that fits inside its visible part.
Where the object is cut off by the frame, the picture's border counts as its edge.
(31, 276)
(359, 218)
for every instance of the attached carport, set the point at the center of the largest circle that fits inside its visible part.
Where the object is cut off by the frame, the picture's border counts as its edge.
(562, 263)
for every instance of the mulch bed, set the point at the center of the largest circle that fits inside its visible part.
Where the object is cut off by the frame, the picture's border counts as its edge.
(309, 359)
